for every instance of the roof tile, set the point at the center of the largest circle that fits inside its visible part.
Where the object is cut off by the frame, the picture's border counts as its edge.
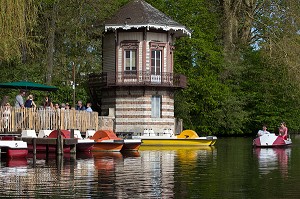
(141, 14)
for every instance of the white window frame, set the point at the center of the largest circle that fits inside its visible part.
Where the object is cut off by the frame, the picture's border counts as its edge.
(155, 60)
(132, 60)
(156, 106)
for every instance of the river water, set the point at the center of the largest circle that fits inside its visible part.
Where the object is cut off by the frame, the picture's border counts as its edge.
(230, 169)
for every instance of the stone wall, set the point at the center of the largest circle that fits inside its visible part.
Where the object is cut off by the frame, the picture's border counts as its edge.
(107, 122)
(133, 111)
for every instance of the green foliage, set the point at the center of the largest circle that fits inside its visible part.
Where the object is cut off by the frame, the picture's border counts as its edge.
(271, 96)
(77, 40)
(223, 97)
(208, 105)
(17, 20)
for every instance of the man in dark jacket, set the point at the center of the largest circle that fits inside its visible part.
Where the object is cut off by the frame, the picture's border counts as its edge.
(80, 106)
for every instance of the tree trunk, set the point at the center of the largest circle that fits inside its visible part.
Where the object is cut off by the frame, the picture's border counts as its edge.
(238, 17)
(248, 17)
(230, 25)
(50, 46)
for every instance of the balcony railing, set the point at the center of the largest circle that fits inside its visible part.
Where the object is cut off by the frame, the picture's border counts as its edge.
(137, 79)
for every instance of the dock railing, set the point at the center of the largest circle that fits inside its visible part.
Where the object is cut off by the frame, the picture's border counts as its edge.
(16, 119)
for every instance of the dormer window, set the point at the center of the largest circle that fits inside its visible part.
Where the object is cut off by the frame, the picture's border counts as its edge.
(130, 56)
(130, 60)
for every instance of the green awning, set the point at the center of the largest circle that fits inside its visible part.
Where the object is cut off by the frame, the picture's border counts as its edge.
(28, 86)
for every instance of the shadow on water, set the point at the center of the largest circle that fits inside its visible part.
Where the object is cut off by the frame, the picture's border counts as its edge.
(230, 169)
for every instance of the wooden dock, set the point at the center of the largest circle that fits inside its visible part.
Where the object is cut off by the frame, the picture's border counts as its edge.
(58, 142)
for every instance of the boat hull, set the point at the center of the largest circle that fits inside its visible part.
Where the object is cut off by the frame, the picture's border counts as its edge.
(106, 140)
(178, 142)
(16, 153)
(85, 145)
(108, 146)
(131, 144)
(271, 140)
(185, 138)
(14, 148)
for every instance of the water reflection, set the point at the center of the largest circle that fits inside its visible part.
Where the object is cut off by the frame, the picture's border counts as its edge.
(270, 159)
(20, 162)
(105, 161)
(164, 166)
(84, 155)
(149, 173)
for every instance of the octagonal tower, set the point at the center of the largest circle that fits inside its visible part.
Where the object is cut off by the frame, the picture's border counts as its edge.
(137, 78)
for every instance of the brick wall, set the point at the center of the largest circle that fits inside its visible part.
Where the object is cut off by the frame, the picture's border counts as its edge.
(133, 109)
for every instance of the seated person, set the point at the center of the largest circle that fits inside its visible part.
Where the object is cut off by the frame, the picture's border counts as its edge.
(263, 131)
(283, 130)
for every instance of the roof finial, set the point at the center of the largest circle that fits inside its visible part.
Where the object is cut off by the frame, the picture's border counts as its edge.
(127, 19)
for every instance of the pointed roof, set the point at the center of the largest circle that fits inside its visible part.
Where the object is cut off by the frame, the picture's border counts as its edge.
(139, 14)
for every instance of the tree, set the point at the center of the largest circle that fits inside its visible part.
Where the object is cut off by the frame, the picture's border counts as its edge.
(65, 32)
(261, 42)
(207, 105)
(18, 18)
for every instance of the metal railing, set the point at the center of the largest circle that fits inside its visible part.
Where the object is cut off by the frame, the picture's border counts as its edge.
(15, 119)
(137, 79)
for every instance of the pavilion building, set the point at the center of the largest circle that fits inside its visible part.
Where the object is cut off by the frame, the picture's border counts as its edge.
(137, 80)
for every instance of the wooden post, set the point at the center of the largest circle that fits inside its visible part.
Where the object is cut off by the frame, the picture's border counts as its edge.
(47, 148)
(62, 120)
(34, 160)
(34, 145)
(59, 143)
(72, 166)
(59, 163)
(30, 118)
(72, 133)
(73, 146)
(47, 151)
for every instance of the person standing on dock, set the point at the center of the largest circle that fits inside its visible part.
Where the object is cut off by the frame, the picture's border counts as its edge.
(19, 99)
(19, 104)
(80, 106)
(29, 102)
(6, 115)
(88, 107)
(48, 103)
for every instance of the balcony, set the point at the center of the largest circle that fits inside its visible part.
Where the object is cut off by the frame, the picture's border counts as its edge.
(137, 79)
